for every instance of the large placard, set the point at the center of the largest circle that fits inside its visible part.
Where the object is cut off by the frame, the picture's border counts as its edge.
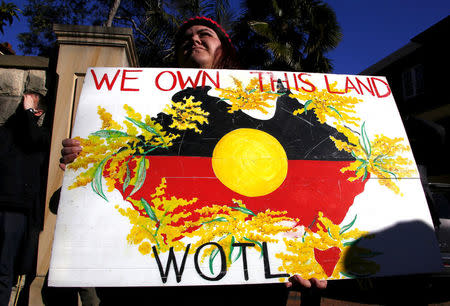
(206, 177)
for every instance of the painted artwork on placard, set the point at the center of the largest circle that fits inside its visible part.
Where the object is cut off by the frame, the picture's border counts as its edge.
(210, 177)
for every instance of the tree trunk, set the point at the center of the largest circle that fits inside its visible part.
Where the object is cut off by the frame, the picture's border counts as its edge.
(112, 12)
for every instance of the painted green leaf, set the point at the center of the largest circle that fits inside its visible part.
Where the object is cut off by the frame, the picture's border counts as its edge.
(363, 165)
(303, 236)
(354, 155)
(335, 110)
(126, 182)
(110, 134)
(328, 231)
(149, 210)
(252, 91)
(233, 240)
(387, 171)
(306, 105)
(244, 210)
(365, 141)
(146, 127)
(142, 125)
(363, 161)
(354, 242)
(238, 255)
(257, 243)
(365, 174)
(348, 226)
(379, 158)
(149, 150)
(97, 180)
(211, 259)
(219, 219)
(347, 275)
(141, 172)
(152, 234)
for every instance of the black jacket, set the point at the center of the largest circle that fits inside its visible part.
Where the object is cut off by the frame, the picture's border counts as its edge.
(24, 148)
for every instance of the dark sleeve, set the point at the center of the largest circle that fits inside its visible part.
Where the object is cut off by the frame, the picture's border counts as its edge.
(4, 138)
(29, 135)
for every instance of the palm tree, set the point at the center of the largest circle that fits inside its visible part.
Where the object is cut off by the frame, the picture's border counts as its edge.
(287, 35)
(270, 34)
(7, 13)
(154, 22)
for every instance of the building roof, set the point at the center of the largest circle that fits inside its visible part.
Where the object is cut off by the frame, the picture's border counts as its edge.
(391, 58)
(6, 49)
(440, 28)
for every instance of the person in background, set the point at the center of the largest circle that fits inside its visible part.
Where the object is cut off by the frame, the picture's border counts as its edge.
(23, 165)
(200, 42)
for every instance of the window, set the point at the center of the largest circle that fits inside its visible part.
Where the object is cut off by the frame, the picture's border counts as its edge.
(413, 81)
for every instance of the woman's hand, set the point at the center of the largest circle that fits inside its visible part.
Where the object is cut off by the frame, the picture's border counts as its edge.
(297, 282)
(71, 149)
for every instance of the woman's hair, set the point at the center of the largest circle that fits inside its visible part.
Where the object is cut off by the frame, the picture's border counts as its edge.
(228, 57)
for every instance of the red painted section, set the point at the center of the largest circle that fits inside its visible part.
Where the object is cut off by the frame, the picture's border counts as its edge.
(328, 259)
(310, 187)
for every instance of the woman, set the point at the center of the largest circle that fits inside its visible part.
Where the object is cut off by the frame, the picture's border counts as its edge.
(202, 43)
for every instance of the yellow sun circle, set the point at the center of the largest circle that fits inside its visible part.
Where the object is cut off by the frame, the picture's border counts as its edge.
(250, 162)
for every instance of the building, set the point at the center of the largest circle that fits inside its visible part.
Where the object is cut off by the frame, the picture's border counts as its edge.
(418, 76)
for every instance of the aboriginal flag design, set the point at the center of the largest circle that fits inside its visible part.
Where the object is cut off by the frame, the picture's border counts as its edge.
(202, 171)
(212, 172)
(311, 182)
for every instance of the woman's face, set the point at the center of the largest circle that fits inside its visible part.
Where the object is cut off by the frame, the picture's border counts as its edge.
(200, 48)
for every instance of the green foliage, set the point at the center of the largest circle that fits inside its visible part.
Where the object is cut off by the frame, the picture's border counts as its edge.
(154, 22)
(269, 34)
(7, 13)
(42, 14)
(287, 35)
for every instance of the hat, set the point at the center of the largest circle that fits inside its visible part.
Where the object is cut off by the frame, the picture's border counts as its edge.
(208, 22)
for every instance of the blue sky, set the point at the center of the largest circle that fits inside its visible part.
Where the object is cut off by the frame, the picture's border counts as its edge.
(372, 29)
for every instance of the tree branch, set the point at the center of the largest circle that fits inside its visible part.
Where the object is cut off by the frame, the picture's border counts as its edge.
(112, 12)
(137, 29)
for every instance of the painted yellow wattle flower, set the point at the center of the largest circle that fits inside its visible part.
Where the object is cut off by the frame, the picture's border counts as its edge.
(187, 115)
(112, 148)
(227, 225)
(300, 255)
(248, 97)
(381, 157)
(328, 105)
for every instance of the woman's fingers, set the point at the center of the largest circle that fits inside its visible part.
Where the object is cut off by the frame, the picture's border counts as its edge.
(71, 142)
(319, 283)
(298, 281)
(71, 149)
(68, 158)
